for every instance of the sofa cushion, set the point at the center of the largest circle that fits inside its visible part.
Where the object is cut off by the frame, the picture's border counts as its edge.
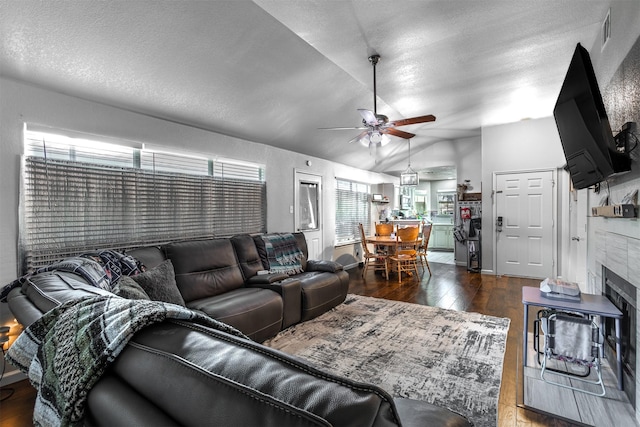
(129, 288)
(204, 268)
(160, 283)
(255, 312)
(321, 291)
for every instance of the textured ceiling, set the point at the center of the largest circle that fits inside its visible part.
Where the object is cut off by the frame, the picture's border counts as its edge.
(275, 71)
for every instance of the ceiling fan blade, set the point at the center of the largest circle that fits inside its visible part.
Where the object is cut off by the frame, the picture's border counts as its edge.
(413, 120)
(397, 132)
(358, 128)
(368, 117)
(357, 138)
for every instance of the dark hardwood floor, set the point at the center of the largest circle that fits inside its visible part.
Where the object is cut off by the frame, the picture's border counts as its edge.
(450, 286)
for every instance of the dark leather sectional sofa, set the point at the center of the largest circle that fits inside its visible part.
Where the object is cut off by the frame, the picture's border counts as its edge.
(179, 373)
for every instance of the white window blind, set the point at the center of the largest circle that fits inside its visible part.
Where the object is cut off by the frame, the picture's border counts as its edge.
(352, 208)
(75, 200)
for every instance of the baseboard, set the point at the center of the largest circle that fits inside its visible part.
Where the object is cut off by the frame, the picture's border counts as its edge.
(12, 377)
(487, 271)
(350, 266)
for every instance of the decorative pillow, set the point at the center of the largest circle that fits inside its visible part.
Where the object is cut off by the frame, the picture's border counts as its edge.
(89, 269)
(160, 283)
(128, 288)
(114, 264)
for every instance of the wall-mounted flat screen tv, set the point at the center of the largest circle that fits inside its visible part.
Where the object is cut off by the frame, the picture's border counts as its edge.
(583, 125)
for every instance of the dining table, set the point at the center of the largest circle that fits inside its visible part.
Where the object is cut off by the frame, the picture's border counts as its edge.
(387, 241)
(390, 243)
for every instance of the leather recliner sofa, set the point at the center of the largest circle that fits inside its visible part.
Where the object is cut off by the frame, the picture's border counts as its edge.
(182, 373)
(221, 277)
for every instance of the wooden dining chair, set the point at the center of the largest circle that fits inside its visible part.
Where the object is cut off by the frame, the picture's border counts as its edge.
(424, 244)
(405, 257)
(378, 261)
(383, 229)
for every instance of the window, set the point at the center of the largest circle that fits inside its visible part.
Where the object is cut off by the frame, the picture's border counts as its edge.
(352, 208)
(79, 195)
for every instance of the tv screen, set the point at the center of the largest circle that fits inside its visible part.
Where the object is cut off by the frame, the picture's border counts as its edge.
(583, 125)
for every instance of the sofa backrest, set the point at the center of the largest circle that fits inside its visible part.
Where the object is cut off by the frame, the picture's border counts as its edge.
(149, 256)
(204, 268)
(302, 244)
(247, 254)
(45, 291)
(251, 385)
(262, 252)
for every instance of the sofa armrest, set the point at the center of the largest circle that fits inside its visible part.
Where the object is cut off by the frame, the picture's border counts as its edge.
(290, 290)
(262, 279)
(328, 266)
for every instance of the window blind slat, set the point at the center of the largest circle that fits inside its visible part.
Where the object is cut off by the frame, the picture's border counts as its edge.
(72, 207)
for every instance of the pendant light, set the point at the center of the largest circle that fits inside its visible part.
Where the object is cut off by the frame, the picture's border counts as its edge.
(409, 177)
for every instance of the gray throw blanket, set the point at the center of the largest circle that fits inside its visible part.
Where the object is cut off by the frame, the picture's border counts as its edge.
(67, 350)
(283, 253)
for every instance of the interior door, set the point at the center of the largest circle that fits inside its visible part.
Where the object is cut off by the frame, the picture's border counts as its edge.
(524, 224)
(308, 211)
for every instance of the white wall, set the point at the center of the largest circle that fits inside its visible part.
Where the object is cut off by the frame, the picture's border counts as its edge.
(520, 146)
(21, 103)
(468, 152)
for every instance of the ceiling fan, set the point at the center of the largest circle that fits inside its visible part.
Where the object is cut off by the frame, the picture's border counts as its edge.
(377, 127)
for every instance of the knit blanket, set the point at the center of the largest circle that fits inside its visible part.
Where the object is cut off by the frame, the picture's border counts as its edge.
(67, 350)
(283, 253)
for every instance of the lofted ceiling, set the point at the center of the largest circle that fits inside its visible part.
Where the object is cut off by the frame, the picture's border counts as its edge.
(274, 71)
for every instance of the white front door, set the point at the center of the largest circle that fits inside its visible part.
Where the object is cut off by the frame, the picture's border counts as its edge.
(308, 211)
(524, 224)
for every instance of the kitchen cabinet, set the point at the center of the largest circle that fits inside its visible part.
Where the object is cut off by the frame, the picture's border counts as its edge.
(446, 203)
(441, 237)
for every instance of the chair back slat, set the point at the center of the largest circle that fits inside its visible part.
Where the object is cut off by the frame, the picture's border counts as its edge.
(407, 239)
(363, 239)
(384, 229)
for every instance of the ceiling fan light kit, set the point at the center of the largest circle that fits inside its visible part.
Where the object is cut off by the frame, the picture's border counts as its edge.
(375, 137)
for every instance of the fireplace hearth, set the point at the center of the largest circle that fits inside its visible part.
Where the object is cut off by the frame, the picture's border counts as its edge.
(623, 295)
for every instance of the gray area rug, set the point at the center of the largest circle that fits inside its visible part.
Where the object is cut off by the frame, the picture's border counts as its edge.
(449, 358)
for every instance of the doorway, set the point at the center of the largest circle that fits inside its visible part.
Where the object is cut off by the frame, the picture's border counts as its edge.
(308, 211)
(525, 226)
